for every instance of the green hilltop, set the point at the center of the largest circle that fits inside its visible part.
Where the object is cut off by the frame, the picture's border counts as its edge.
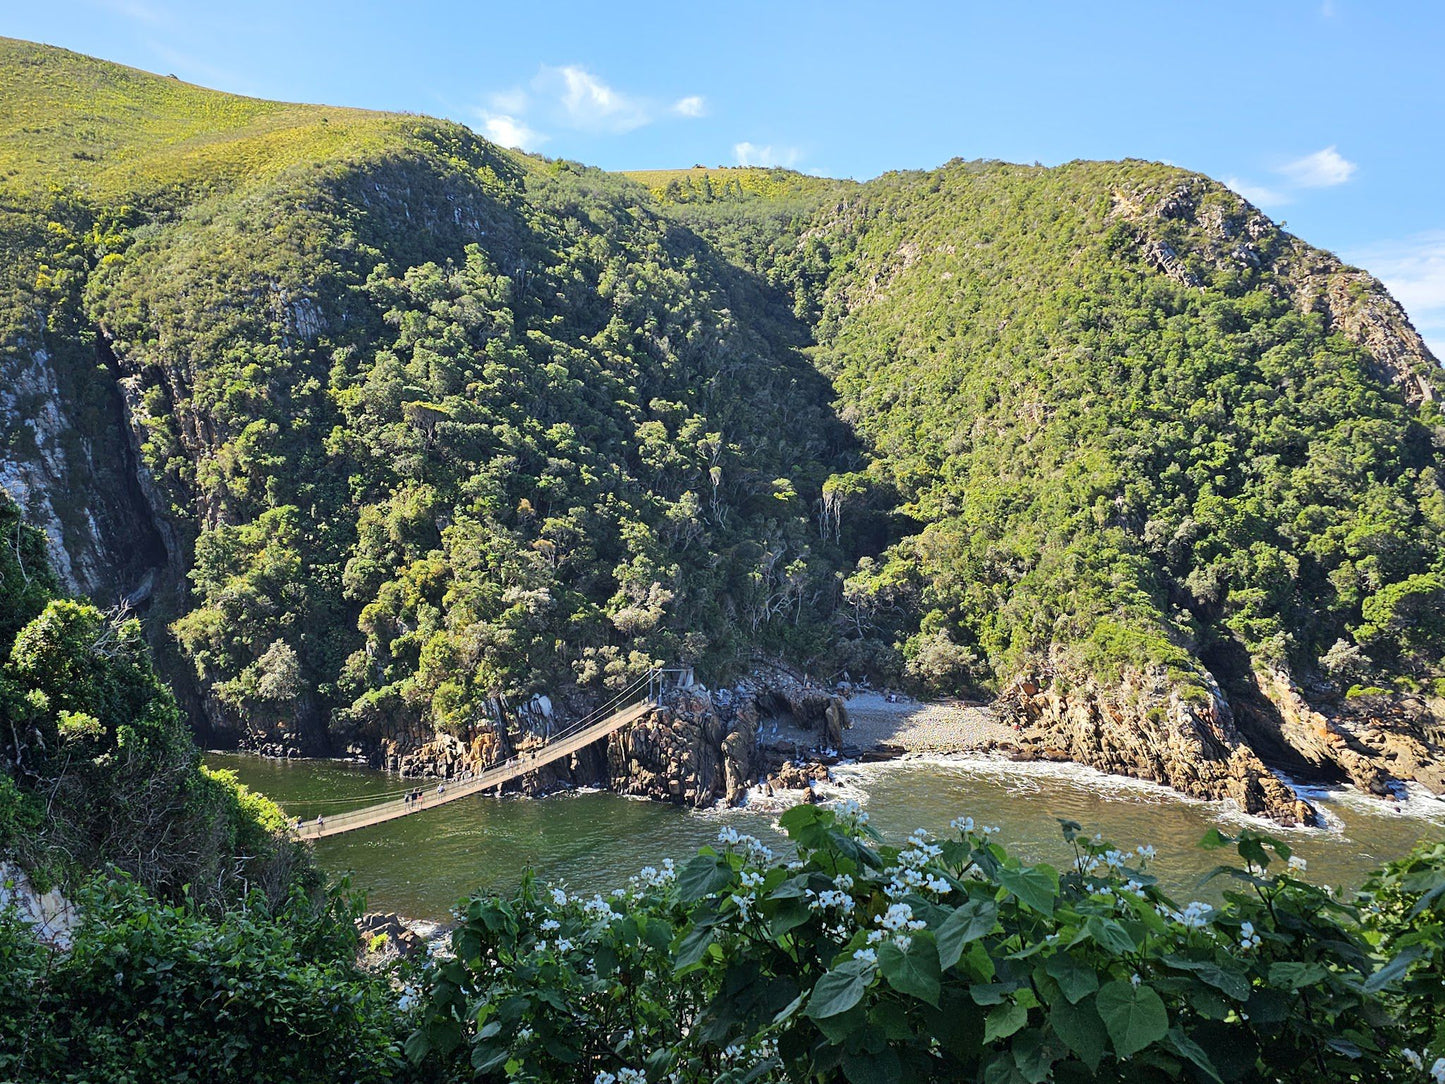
(384, 426)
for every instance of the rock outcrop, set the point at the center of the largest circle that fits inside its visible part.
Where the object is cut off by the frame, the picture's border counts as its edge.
(1145, 728)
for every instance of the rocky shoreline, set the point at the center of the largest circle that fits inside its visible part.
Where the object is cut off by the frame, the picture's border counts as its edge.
(774, 735)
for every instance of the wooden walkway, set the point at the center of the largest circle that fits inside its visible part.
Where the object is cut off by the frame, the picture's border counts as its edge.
(455, 790)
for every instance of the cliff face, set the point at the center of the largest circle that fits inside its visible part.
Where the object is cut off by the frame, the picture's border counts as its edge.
(1143, 728)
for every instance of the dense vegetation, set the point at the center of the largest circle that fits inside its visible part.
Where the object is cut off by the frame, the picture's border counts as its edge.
(97, 766)
(945, 960)
(432, 427)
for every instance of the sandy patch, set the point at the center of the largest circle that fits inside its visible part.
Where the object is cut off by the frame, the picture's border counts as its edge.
(912, 726)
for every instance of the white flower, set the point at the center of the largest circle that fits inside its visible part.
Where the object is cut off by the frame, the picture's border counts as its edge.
(1135, 979)
(1145, 852)
(525, 1034)
(631, 1076)
(1248, 939)
(728, 836)
(744, 903)
(1298, 864)
(597, 907)
(961, 824)
(937, 885)
(563, 945)
(903, 941)
(604, 1077)
(991, 829)
(896, 917)
(843, 882)
(750, 879)
(874, 936)
(559, 898)
(1114, 859)
(550, 924)
(869, 956)
(1438, 1071)
(1136, 887)
(1195, 916)
(1416, 1062)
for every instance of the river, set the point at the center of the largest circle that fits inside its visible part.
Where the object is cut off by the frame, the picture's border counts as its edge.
(420, 866)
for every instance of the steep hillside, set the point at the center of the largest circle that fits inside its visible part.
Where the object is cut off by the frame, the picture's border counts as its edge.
(387, 430)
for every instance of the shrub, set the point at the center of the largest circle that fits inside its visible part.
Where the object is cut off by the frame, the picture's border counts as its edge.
(939, 960)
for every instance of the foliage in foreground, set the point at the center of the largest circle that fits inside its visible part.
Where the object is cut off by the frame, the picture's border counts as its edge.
(152, 991)
(947, 960)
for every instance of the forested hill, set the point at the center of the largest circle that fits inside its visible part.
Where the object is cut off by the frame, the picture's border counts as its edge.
(381, 426)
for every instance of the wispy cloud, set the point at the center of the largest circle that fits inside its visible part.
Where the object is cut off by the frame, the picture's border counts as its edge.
(588, 104)
(576, 99)
(1322, 169)
(751, 154)
(1414, 271)
(1258, 194)
(508, 131)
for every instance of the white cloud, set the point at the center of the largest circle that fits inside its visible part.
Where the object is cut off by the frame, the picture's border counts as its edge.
(750, 154)
(1413, 270)
(1323, 169)
(510, 132)
(590, 105)
(1258, 194)
(572, 97)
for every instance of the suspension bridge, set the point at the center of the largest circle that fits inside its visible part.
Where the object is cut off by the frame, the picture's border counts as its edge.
(592, 727)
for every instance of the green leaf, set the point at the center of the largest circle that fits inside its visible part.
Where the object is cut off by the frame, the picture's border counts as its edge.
(838, 990)
(1225, 979)
(968, 923)
(1109, 934)
(693, 947)
(1003, 1021)
(1133, 1015)
(1035, 886)
(915, 971)
(705, 875)
(1075, 980)
(1188, 1049)
(1391, 971)
(1293, 974)
(1081, 1029)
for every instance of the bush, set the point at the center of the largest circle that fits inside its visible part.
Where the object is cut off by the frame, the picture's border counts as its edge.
(154, 992)
(940, 960)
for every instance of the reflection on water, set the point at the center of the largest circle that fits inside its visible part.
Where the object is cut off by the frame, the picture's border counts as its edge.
(421, 865)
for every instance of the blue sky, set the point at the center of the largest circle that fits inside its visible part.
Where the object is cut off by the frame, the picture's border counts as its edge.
(1327, 113)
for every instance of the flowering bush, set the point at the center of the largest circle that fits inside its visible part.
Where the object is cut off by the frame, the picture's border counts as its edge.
(941, 960)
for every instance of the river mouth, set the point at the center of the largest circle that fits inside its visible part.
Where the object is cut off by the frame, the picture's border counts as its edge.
(592, 841)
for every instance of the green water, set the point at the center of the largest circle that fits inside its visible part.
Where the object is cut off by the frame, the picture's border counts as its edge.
(422, 865)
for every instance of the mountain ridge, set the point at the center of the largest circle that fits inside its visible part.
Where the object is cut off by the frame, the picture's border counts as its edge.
(387, 427)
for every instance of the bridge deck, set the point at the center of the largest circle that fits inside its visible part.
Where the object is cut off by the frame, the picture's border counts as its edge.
(456, 790)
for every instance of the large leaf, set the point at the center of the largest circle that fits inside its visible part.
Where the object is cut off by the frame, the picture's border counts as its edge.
(1186, 1047)
(1003, 1020)
(1294, 974)
(1226, 979)
(839, 990)
(703, 876)
(1081, 1030)
(1036, 886)
(1109, 934)
(914, 971)
(1392, 970)
(1133, 1015)
(970, 922)
(1075, 980)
